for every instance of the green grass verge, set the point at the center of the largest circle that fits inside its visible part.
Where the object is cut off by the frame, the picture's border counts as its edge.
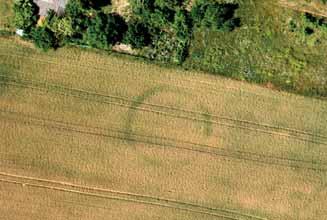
(265, 50)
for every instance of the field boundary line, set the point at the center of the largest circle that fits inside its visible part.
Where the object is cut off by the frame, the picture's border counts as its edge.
(159, 199)
(87, 96)
(198, 148)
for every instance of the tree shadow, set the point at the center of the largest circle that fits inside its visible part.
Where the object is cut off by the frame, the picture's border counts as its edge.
(95, 4)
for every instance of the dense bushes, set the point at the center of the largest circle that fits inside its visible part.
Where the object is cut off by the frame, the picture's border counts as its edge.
(25, 15)
(161, 28)
(44, 38)
(315, 22)
(213, 15)
(168, 26)
(309, 29)
(77, 14)
(95, 4)
(171, 24)
(104, 30)
(138, 34)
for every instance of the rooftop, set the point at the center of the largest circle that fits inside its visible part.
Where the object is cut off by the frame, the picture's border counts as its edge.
(57, 5)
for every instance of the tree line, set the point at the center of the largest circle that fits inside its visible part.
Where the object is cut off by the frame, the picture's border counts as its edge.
(160, 29)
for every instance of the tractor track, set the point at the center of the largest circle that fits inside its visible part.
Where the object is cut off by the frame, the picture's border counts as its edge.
(170, 111)
(212, 87)
(110, 194)
(163, 142)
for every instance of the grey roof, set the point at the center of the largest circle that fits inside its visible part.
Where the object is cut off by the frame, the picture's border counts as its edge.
(57, 5)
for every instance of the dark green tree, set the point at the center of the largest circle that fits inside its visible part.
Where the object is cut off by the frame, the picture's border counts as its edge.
(26, 14)
(138, 34)
(43, 38)
(214, 15)
(61, 27)
(183, 30)
(95, 4)
(104, 30)
(171, 4)
(75, 12)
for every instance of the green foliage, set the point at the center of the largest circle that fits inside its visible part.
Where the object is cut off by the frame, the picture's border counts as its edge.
(138, 34)
(95, 4)
(157, 13)
(25, 14)
(314, 22)
(104, 30)
(75, 12)
(44, 38)
(61, 27)
(172, 46)
(183, 30)
(172, 4)
(309, 29)
(169, 25)
(214, 15)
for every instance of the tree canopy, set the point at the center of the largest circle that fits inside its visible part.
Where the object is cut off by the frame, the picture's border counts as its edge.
(138, 34)
(104, 30)
(163, 28)
(26, 14)
(214, 15)
(43, 38)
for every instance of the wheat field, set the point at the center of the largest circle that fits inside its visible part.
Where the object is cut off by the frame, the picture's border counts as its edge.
(87, 135)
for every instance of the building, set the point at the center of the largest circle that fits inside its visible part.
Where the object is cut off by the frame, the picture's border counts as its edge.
(45, 5)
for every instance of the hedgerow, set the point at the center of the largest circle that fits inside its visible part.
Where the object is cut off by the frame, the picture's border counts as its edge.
(162, 29)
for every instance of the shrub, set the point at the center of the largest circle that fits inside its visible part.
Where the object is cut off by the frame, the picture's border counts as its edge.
(138, 34)
(214, 15)
(43, 38)
(26, 14)
(172, 46)
(104, 30)
(157, 13)
(172, 4)
(75, 12)
(95, 4)
(183, 30)
(60, 26)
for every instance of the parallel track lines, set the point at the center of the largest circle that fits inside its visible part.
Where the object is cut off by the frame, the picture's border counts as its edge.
(166, 142)
(212, 87)
(15, 80)
(114, 198)
(127, 103)
(123, 196)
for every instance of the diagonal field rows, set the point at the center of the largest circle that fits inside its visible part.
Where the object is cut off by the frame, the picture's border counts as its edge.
(208, 85)
(123, 196)
(169, 111)
(161, 142)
